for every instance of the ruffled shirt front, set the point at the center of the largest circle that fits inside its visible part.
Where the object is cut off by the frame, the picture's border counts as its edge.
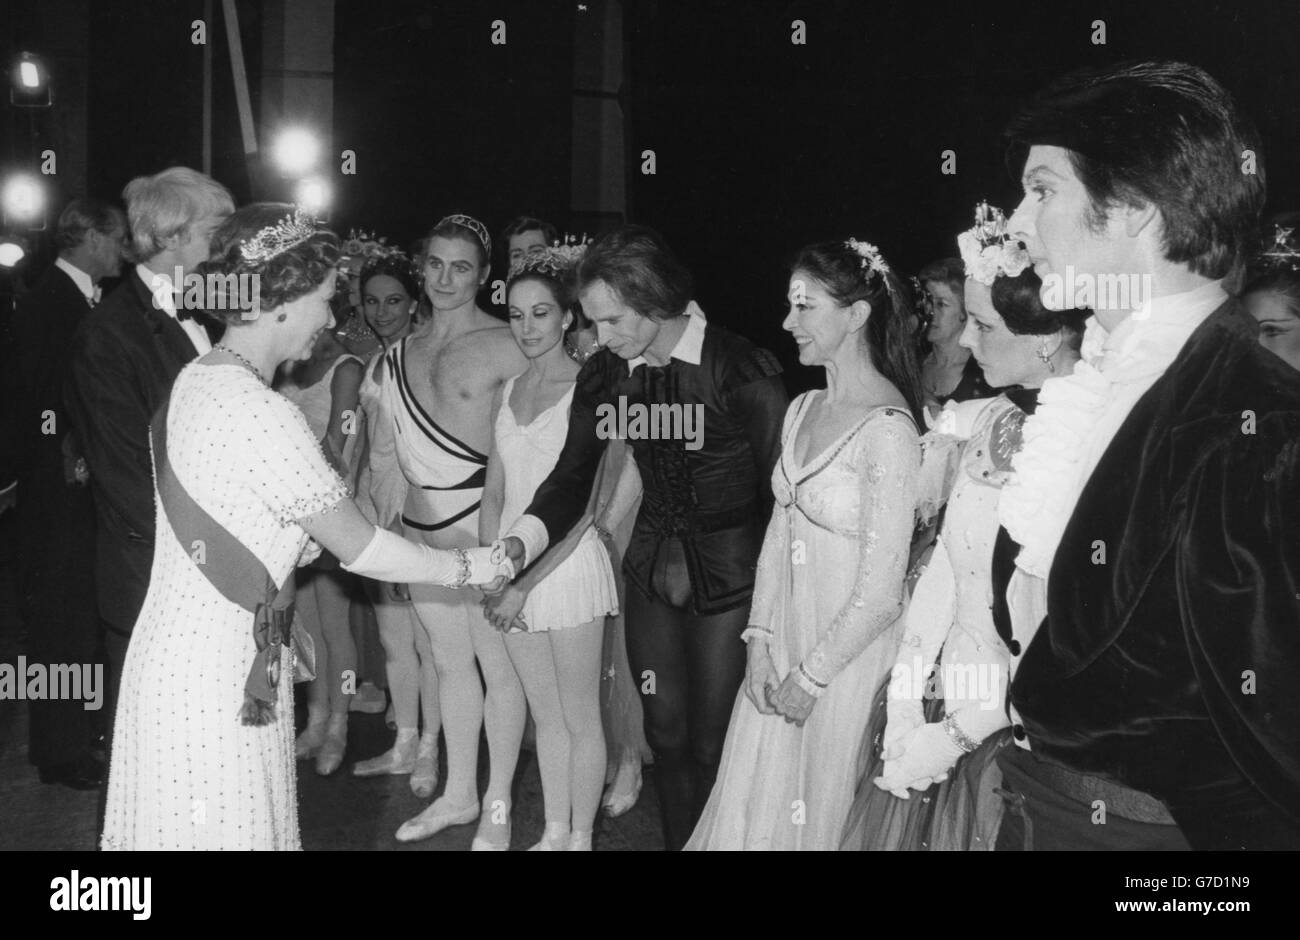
(1078, 415)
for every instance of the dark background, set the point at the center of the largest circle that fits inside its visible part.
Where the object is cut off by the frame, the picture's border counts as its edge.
(761, 146)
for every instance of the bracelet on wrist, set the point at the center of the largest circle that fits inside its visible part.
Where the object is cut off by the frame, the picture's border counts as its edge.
(462, 568)
(959, 737)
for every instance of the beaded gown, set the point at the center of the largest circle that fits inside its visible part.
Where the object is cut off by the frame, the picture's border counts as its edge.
(186, 774)
(830, 588)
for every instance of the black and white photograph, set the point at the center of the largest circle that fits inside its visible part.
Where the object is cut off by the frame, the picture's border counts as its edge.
(650, 425)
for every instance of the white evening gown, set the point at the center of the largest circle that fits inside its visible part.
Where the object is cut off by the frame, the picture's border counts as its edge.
(186, 774)
(830, 588)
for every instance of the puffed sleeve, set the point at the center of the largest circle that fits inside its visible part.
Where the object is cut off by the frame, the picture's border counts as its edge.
(887, 458)
(1238, 564)
(286, 468)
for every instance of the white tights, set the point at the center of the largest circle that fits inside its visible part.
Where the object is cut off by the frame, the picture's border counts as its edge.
(560, 672)
(408, 661)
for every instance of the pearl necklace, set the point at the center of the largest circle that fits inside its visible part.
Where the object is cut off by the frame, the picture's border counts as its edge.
(252, 368)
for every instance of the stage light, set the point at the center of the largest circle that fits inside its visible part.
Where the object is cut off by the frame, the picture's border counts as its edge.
(296, 151)
(313, 194)
(29, 86)
(24, 201)
(10, 253)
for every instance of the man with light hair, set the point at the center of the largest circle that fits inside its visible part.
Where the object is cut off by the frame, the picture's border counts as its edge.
(125, 357)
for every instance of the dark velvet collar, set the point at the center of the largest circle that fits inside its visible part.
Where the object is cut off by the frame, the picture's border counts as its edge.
(1026, 399)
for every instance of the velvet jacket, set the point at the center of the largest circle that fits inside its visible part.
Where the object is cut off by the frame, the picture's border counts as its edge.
(1169, 657)
(715, 499)
(125, 358)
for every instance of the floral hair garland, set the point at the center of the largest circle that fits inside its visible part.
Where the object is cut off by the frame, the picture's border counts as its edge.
(1283, 253)
(988, 251)
(361, 248)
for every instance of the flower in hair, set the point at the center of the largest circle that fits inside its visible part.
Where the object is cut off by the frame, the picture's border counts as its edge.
(987, 250)
(292, 230)
(870, 255)
(360, 248)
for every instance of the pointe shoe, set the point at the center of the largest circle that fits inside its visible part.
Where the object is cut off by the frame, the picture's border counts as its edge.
(330, 756)
(623, 793)
(311, 739)
(424, 772)
(481, 844)
(399, 759)
(554, 839)
(435, 819)
(580, 841)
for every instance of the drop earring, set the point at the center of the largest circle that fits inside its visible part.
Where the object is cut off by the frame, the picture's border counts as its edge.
(1045, 355)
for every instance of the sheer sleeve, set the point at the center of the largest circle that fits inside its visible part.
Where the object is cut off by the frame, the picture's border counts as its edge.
(286, 468)
(887, 458)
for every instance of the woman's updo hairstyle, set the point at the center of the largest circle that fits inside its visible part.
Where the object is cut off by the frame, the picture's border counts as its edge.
(1018, 301)
(557, 268)
(282, 276)
(848, 277)
(397, 266)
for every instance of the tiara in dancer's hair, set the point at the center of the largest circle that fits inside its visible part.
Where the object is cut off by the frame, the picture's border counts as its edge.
(987, 250)
(1283, 253)
(474, 225)
(292, 230)
(555, 260)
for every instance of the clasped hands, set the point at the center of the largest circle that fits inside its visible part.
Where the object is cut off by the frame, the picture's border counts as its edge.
(769, 693)
(503, 600)
(917, 753)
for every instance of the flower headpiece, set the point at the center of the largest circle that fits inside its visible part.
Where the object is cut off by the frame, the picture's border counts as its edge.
(987, 250)
(556, 260)
(361, 248)
(1283, 253)
(474, 225)
(292, 230)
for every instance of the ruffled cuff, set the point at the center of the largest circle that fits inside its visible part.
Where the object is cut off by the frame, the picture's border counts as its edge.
(808, 682)
(756, 633)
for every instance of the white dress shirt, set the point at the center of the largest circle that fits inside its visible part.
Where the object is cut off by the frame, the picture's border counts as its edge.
(88, 288)
(164, 299)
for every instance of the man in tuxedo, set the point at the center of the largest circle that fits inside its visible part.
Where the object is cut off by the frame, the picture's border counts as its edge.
(1154, 701)
(124, 360)
(55, 514)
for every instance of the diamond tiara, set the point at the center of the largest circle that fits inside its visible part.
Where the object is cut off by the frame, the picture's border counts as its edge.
(474, 225)
(292, 230)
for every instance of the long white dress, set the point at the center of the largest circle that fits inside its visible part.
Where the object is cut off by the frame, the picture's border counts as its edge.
(186, 774)
(830, 588)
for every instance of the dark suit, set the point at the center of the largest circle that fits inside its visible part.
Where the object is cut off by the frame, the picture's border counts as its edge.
(55, 519)
(1171, 667)
(124, 361)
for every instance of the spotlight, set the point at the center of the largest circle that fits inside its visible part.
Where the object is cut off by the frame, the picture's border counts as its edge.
(313, 194)
(11, 252)
(296, 151)
(23, 202)
(29, 87)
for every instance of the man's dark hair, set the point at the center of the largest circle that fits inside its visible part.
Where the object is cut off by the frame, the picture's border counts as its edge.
(527, 223)
(83, 215)
(638, 265)
(1159, 133)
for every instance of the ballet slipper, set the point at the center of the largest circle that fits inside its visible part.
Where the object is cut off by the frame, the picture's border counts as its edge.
(424, 771)
(623, 793)
(369, 700)
(330, 756)
(554, 839)
(399, 759)
(580, 841)
(312, 737)
(436, 818)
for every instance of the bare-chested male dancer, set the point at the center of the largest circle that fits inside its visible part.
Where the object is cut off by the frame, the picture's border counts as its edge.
(440, 396)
